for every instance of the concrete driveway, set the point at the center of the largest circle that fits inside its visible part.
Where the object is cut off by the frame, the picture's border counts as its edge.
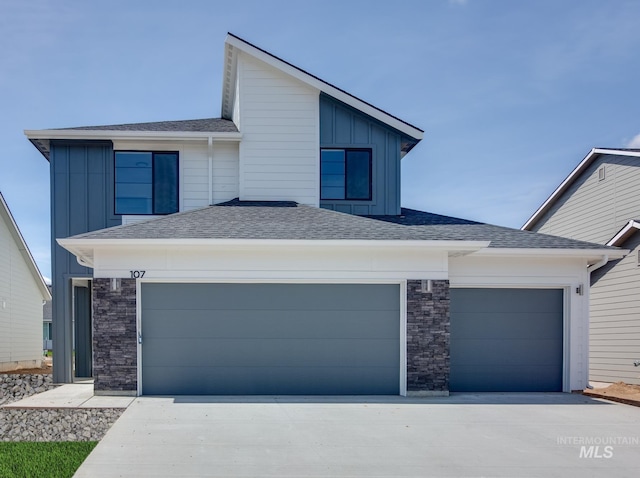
(506, 435)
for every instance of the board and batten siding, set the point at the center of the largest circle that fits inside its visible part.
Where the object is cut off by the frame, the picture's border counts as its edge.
(344, 127)
(595, 210)
(278, 118)
(20, 307)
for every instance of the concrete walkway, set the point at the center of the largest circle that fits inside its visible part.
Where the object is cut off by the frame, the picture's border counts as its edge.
(503, 435)
(71, 395)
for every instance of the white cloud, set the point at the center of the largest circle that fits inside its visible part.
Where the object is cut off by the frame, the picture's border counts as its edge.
(634, 143)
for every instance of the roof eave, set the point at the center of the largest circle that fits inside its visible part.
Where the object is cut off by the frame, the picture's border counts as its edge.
(593, 255)
(588, 159)
(627, 231)
(311, 80)
(24, 249)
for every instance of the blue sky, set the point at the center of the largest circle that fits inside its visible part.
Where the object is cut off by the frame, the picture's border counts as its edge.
(511, 95)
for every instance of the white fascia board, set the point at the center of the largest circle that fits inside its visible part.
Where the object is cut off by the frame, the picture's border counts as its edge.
(591, 254)
(84, 249)
(5, 213)
(588, 159)
(623, 232)
(321, 85)
(141, 135)
(81, 243)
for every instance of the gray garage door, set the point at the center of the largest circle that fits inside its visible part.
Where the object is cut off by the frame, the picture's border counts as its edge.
(506, 340)
(270, 339)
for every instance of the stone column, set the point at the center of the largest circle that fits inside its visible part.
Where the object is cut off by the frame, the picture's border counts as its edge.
(115, 345)
(428, 344)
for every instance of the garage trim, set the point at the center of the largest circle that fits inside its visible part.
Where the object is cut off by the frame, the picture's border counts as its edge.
(566, 301)
(403, 312)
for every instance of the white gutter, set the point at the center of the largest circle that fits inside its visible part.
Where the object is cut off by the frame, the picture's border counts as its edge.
(597, 265)
(84, 249)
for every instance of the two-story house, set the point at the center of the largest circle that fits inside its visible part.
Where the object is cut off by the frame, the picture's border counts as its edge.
(267, 252)
(600, 202)
(22, 294)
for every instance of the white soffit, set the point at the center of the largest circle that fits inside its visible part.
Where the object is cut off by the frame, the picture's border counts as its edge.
(625, 233)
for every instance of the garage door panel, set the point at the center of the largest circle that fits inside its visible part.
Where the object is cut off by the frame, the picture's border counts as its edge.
(273, 381)
(530, 379)
(496, 352)
(506, 340)
(508, 300)
(260, 296)
(248, 323)
(270, 338)
(267, 353)
(520, 325)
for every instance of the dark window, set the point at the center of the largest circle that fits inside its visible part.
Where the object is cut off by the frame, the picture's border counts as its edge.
(146, 182)
(345, 174)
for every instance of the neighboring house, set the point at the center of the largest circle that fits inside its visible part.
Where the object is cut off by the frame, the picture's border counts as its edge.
(22, 294)
(266, 252)
(47, 326)
(600, 202)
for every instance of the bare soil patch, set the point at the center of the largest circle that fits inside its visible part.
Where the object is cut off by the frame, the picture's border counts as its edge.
(44, 369)
(617, 392)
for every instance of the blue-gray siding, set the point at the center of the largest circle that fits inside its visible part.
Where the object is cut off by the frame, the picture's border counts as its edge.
(344, 127)
(81, 201)
(506, 340)
(285, 339)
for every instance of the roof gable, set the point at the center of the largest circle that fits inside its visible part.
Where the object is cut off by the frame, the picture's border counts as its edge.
(572, 177)
(233, 44)
(7, 218)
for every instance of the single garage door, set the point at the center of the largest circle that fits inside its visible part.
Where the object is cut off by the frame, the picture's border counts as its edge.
(270, 339)
(506, 340)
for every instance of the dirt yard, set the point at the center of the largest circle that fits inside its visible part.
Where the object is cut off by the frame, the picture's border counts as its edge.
(617, 392)
(45, 368)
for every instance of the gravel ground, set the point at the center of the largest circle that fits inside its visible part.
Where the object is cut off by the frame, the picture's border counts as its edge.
(48, 424)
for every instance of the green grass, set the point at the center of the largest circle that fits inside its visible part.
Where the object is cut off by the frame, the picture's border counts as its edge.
(42, 459)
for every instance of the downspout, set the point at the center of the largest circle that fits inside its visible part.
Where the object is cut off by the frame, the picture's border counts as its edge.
(210, 153)
(590, 269)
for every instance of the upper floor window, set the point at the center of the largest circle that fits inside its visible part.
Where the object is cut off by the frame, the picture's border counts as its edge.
(146, 182)
(345, 174)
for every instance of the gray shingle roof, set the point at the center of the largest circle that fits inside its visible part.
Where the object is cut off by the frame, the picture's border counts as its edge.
(205, 125)
(451, 228)
(290, 221)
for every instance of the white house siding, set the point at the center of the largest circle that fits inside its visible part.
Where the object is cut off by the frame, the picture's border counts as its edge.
(279, 122)
(194, 170)
(595, 210)
(20, 308)
(531, 273)
(614, 339)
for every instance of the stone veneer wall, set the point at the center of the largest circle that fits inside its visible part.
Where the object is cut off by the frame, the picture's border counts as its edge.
(428, 344)
(114, 336)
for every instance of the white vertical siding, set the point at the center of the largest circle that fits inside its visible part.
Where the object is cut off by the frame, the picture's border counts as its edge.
(20, 306)
(279, 122)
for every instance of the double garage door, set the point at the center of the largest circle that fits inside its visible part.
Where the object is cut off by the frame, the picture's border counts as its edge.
(338, 339)
(270, 339)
